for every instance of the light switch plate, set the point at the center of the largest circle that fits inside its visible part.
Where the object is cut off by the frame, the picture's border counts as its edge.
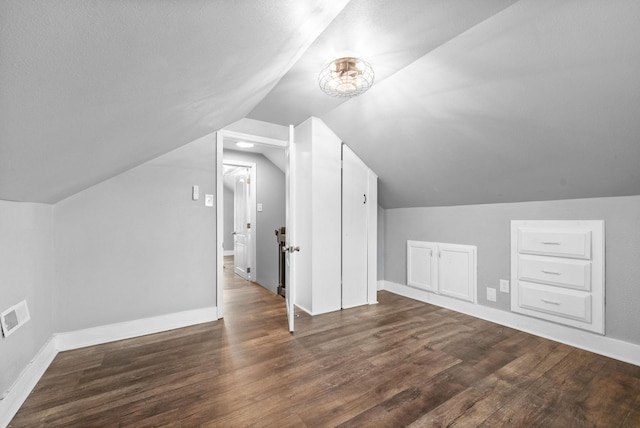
(504, 285)
(259, 208)
(208, 200)
(491, 294)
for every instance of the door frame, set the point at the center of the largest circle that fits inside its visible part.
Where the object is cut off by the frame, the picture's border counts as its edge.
(253, 185)
(220, 137)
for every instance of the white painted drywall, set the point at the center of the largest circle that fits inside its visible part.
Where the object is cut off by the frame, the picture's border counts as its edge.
(227, 202)
(26, 273)
(488, 227)
(326, 217)
(137, 245)
(302, 207)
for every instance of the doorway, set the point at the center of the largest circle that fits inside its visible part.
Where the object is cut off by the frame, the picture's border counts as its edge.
(240, 177)
(223, 138)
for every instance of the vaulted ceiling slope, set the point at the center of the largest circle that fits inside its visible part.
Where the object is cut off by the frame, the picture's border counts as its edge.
(474, 101)
(89, 89)
(539, 102)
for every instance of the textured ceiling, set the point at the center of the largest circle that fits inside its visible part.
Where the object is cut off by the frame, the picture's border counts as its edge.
(474, 101)
(89, 89)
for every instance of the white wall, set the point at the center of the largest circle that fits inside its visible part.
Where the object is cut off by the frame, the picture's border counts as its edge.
(488, 227)
(136, 245)
(318, 217)
(326, 216)
(26, 273)
(302, 207)
(227, 201)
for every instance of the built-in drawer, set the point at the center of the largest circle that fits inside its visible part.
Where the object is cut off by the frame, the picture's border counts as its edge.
(559, 243)
(561, 302)
(555, 271)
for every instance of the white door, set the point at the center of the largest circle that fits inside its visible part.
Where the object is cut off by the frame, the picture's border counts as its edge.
(355, 200)
(457, 271)
(290, 259)
(241, 226)
(422, 269)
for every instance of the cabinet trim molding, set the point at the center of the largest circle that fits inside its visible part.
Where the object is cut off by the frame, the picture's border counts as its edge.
(558, 272)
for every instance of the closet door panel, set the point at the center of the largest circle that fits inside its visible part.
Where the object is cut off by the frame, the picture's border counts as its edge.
(354, 229)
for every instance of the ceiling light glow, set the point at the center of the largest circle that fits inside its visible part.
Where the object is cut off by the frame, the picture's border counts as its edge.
(346, 77)
(244, 145)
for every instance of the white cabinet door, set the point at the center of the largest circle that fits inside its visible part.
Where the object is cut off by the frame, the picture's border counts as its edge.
(355, 202)
(457, 271)
(422, 269)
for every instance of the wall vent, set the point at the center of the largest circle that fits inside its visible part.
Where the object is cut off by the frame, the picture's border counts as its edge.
(14, 318)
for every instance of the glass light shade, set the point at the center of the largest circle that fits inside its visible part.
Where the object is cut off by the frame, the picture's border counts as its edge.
(346, 77)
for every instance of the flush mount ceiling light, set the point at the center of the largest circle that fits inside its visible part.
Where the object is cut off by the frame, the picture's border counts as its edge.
(244, 145)
(346, 77)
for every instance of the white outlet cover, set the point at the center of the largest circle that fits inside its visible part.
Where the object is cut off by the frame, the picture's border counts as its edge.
(195, 192)
(208, 200)
(491, 294)
(504, 285)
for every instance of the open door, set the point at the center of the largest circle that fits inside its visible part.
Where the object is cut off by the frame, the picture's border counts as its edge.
(290, 247)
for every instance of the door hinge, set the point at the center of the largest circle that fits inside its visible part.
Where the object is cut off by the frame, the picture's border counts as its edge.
(248, 270)
(248, 225)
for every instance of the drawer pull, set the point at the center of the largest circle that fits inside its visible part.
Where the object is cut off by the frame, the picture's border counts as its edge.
(550, 272)
(551, 302)
(550, 242)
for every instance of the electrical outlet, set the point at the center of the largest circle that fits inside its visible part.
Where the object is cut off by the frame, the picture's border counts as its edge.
(491, 294)
(504, 285)
(195, 192)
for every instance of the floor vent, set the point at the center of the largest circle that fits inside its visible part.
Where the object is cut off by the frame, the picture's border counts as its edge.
(14, 318)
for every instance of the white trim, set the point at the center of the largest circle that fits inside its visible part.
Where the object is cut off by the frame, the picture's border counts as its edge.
(128, 329)
(25, 383)
(219, 224)
(381, 284)
(227, 253)
(603, 345)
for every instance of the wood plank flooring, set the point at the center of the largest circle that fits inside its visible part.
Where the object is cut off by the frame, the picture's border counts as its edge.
(398, 363)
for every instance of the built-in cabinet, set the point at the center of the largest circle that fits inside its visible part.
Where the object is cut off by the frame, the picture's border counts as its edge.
(557, 272)
(336, 212)
(446, 269)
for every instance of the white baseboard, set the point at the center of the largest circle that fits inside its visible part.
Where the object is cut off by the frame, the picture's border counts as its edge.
(135, 328)
(603, 345)
(381, 284)
(228, 253)
(27, 380)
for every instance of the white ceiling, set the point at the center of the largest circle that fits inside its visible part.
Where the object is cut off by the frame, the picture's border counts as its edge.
(474, 101)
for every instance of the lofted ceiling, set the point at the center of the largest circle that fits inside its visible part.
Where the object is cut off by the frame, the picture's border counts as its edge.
(474, 101)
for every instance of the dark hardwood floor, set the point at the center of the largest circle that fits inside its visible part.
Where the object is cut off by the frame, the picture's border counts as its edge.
(398, 363)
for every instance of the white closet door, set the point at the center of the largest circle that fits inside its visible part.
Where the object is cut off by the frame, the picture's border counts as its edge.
(355, 202)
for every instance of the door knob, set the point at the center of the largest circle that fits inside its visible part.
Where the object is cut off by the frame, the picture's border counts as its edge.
(290, 249)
